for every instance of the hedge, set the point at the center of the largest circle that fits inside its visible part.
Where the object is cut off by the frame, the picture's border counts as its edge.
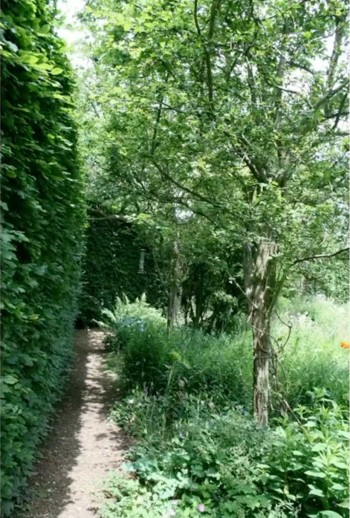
(42, 225)
(111, 266)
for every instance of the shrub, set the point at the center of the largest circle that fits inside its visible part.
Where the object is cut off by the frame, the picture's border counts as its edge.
(217, 460)
(222, 365)
(199, 465)
(128, 317)
(111, 264)
(42, 218)
(307, 462)
(188, 359)
(198, 453)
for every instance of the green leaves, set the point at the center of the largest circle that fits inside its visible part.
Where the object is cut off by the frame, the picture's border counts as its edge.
(10, 380)
(230, 124)
(42, 218)
(320, 469)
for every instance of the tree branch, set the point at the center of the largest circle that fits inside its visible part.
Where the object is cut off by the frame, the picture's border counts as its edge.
(331, 94)
(195, 9)
(183, 187)
(158, 116)
(215, 6)
(320, 256)
(336, 52)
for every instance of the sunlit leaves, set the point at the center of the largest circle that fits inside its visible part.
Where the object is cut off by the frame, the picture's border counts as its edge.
(42, 218)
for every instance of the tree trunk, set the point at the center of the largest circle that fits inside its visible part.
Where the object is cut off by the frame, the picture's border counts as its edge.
(259, 277)
(175, 291)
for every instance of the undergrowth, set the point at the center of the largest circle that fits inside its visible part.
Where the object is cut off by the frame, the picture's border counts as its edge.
(198, 452)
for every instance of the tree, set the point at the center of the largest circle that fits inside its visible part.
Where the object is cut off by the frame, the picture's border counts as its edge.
(234, 110)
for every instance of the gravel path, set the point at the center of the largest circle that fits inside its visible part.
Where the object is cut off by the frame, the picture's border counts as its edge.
(83, 446)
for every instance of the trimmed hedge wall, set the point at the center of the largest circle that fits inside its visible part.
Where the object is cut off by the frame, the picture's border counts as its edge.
(42, 224)
(111, 266)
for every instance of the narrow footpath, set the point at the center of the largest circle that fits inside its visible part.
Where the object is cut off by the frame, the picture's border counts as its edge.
(83, 445)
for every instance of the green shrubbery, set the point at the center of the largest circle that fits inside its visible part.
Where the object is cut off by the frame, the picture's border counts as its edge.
(198, 452)
(311, 358)
(220, 461)
(153, 358)
(41, 235)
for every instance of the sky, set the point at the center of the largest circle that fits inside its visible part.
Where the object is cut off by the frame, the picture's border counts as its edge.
(72, 31)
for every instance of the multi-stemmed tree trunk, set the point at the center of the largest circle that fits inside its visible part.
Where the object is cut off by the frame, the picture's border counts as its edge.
(259, 288)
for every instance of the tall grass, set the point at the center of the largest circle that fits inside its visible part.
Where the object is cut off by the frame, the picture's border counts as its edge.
(313, 356)
(187, 360)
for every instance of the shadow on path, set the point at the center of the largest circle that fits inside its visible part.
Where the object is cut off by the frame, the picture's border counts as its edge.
(83, 445)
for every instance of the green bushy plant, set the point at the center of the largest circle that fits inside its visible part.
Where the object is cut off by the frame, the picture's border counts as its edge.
(308, 460)
(126, 317)
(222, 365)
(186, 361)
(162, 361)
(41, 235)
(218, 459)
(111, 263)
(207, 460)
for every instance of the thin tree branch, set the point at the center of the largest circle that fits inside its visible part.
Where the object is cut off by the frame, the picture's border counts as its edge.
(184, 188)
(320, 256)
(195, 9)
(336, 52)
(331, 94)
(215, 6)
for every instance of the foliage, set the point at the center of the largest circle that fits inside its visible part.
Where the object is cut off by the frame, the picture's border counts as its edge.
(312, 356)
(233, 113)
(184, 360)
(221, 365)
(331, 278)
(218, 463)
(308, 458)
(42, 219)
(198, 452)
(202, 464)
(128, 317)
(111, 265)
(230, 113)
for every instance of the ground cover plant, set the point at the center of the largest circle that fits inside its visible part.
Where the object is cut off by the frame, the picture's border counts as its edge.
(188, 406)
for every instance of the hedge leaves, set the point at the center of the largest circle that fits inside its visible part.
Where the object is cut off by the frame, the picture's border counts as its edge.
(42, 220)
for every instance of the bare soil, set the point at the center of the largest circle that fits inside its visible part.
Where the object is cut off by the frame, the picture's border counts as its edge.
(83, 445)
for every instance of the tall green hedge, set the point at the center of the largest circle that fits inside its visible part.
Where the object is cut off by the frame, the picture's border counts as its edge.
(111, 266)
(42, 225)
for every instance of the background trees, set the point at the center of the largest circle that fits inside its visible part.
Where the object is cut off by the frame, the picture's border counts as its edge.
(233, 111)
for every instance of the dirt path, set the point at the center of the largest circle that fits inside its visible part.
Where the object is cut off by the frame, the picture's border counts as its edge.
(83, 446)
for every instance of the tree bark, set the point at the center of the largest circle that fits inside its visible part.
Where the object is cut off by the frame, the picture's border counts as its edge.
(175, 291)
(259, 284)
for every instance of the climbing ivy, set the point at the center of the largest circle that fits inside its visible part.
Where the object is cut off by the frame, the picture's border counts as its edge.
(111, 265)
(42, 224)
